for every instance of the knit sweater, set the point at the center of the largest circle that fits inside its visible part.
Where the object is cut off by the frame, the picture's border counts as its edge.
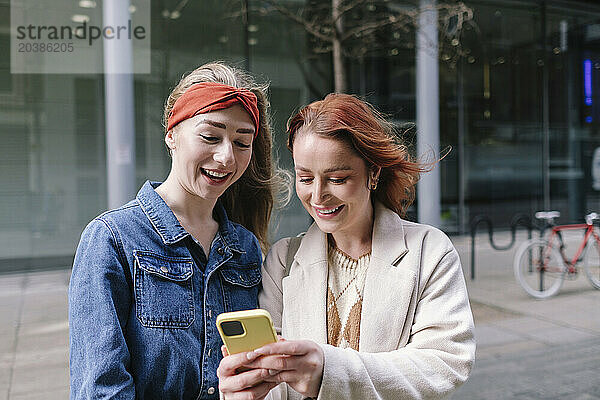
(345, 288)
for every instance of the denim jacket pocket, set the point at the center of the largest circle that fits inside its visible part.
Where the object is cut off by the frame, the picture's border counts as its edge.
(164, 294)
(240, 286)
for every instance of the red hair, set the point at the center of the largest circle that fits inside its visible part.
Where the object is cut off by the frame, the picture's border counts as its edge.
(356, 122)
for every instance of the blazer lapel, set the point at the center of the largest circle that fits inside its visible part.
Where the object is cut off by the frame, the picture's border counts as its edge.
(389, 286)
(305, 290)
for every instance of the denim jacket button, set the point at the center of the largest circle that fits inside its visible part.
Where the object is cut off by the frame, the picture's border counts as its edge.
(211, 390)
(220, 251)
(164, 269)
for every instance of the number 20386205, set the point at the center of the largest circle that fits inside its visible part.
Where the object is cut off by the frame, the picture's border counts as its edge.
(45, 47)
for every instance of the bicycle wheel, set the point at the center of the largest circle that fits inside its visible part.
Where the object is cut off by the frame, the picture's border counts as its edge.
(539, 269)
(591, 262)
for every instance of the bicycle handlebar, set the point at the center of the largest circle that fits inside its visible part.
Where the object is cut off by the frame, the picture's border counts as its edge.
(591, 217)
(549, 216)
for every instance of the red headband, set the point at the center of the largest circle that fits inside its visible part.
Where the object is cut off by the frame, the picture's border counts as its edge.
(205, 97)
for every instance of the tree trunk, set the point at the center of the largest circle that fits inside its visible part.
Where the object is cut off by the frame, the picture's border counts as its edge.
(339, 71)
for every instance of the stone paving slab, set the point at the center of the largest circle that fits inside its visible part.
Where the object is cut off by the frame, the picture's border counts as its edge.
(495, 351)
(50, 377)
(567, 371)
(62, 394)
(487, 335)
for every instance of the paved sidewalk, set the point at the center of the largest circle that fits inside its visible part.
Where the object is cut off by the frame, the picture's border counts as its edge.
(527, 348)
(520, 321)
(34, 336)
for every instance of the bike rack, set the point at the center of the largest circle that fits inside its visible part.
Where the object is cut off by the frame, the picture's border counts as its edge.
(517, 220)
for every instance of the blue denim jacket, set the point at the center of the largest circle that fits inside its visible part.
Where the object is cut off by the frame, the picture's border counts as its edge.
(143, 300)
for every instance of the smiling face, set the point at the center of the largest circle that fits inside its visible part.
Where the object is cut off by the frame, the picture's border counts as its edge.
(332, 182)
(211, 151)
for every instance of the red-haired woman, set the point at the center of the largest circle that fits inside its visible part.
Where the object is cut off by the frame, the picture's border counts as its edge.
(371, 306)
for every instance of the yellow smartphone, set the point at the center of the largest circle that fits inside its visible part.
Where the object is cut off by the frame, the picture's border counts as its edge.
(246, 330)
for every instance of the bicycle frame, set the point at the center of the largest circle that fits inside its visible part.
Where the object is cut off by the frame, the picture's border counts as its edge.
(541, 265)
(556, 232)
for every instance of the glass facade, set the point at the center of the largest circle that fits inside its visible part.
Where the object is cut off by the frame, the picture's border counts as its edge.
(519, 110)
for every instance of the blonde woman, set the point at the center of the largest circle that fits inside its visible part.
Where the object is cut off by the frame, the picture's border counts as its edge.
(371, 306)
(150, 278)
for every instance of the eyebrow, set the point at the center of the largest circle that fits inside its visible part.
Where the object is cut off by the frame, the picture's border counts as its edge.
(221, 125)
(332, 169)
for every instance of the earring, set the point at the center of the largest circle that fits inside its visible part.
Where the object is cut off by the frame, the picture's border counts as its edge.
(374, 178)
(373, 184)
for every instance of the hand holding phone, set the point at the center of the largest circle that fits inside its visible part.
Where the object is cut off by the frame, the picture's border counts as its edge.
(244, 331)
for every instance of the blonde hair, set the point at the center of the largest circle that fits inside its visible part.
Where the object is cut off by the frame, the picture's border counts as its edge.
(249, 201)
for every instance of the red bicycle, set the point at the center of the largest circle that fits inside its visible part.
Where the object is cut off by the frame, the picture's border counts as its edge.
(541, 265)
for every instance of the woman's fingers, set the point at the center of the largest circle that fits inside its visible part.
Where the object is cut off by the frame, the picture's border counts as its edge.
(246, 384)
(297, 362)
(290, 347)
(257, 392)
(229, 364)
(307, 385)
(243, 380)
(278, 377)
(275, 362)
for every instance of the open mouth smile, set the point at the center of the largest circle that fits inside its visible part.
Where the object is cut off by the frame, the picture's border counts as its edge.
(328, 212)
(215, 177)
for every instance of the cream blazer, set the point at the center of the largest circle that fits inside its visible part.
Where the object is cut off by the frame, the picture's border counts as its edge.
(416, 330)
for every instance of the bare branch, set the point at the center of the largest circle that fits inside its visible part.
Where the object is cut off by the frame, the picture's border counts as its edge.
(348, 7)
(309, 26)
(180, 6)
(361, 36)
(449, 12)
(398, 20)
